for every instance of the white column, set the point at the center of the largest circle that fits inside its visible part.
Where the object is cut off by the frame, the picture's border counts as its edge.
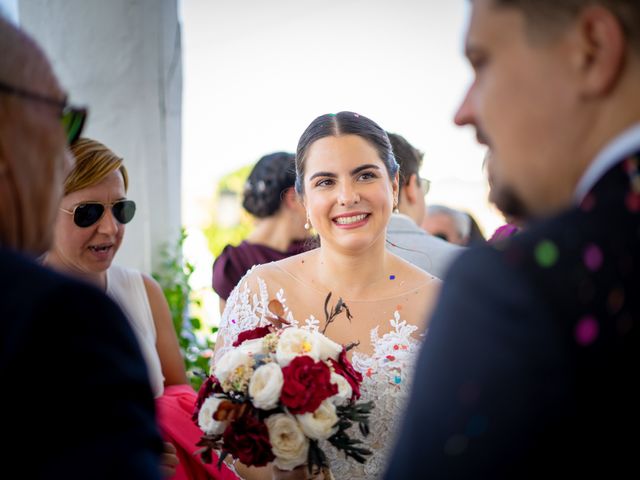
(123, 59)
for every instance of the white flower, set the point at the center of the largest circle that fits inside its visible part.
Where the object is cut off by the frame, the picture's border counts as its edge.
(327, 348)
(320, 424)
(265, 386)
(295, 342)
(230, 363)
(344, 389)
(254, 346)
(288, 443)
(206, 421)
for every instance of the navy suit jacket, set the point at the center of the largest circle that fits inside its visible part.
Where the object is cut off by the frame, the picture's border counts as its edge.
(76, 402)
(531, 365)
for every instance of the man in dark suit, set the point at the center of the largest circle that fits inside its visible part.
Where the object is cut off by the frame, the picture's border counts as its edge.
(531, 363)
(75, 401)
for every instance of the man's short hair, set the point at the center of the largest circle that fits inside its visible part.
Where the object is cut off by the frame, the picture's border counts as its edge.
(549, 17)
(408, 157)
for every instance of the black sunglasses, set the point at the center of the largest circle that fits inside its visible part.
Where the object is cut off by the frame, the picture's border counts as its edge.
(73, 118)
(88, 213)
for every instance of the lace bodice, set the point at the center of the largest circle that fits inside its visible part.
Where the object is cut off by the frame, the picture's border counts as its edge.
(388, 330)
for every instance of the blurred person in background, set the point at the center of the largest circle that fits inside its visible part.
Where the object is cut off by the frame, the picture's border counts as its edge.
(452, 225)
(279, 232)
(66, 350)
(405, 237)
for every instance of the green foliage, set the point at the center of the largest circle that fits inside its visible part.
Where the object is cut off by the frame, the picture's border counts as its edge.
(194, 336)
(219, 234)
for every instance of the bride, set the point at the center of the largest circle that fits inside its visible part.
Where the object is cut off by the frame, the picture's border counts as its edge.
(347, 179)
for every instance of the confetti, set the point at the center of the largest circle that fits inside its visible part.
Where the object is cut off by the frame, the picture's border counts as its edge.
(592, 257)
(615, 300)
(546, 253)
(586, 331)
(392, 277)
(633, 202)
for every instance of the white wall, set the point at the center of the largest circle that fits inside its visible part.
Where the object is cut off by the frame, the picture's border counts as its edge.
(123, 59)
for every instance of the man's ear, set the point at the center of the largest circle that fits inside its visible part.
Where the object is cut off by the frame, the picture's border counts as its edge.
(601, 46)
(412, 189)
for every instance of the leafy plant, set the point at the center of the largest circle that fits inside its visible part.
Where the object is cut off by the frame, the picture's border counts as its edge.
(219, 233)
(194, 336)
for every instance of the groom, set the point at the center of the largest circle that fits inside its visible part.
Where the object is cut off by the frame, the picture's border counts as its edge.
(531, 364)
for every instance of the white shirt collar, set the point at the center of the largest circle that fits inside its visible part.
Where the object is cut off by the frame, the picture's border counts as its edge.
(627, 143)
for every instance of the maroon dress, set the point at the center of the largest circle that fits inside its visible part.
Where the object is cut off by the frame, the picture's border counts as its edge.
(234, 262)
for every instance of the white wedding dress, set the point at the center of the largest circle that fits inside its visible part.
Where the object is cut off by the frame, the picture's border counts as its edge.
(389, 337)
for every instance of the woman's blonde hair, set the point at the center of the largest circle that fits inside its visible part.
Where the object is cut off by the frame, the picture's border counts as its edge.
(94, 162)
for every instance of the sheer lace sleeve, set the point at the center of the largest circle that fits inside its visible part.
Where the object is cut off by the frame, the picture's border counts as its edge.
(246, 308)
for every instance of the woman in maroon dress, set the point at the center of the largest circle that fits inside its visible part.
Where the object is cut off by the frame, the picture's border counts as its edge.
(279, 231)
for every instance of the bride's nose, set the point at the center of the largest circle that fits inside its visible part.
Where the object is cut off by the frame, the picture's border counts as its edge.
(348, 196)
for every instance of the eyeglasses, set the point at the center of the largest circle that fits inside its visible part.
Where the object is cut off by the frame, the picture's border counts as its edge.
(88, 213)
(73, 118)
(425, 184)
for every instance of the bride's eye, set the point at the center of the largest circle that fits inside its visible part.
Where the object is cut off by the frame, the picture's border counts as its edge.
(325, 182)
(367, 176)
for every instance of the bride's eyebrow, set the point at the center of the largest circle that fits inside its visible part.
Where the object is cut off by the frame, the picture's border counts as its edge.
(355, 171)
(323, 174)
(366, 166)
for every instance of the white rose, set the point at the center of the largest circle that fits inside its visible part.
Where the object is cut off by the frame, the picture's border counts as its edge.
(327, 348)
(265, 386)
(320, 424)
(229, 363)
(294, 342)
(206, 422)
(288, 443)
(344, 389)
(252, 347)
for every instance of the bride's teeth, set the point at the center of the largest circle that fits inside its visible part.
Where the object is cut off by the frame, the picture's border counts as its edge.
(348, 220)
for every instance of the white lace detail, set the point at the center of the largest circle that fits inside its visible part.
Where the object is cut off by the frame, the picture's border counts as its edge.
(386, 373)
(386, 377)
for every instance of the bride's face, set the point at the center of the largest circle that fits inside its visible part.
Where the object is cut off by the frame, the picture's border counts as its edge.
(348, 193)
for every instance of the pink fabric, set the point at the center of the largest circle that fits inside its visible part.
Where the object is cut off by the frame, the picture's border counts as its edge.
(174, 410)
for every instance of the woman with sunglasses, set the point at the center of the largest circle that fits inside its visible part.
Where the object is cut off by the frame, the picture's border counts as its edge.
(88, 232)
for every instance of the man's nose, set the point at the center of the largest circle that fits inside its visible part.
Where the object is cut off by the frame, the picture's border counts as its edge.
(465, 115)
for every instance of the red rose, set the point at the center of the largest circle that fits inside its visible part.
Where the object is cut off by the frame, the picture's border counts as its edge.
(306, 385)
(257, 332)
(209, 386)
(343, 367)
(247, 439)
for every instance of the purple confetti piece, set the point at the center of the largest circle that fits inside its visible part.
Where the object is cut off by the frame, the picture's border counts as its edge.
(592, 257)
(392, 277)
(586, 331)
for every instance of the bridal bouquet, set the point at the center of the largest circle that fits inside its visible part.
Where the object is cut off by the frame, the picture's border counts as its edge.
(276, 395)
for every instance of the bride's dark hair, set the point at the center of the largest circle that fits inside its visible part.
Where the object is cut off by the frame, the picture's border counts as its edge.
(344, 123)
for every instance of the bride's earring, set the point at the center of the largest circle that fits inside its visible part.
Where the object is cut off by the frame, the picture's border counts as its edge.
(307, 225)
(395, 206)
